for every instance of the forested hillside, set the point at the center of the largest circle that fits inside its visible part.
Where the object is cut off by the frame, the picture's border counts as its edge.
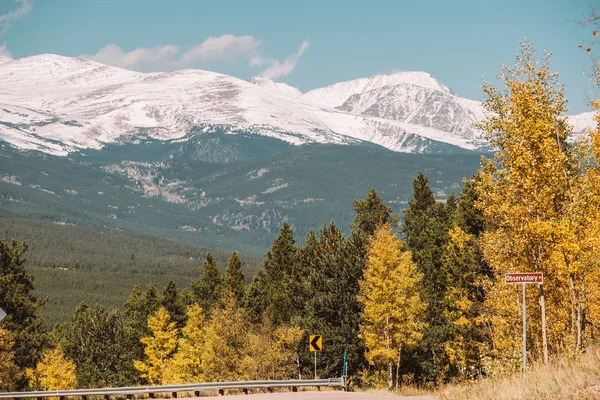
(72, 264)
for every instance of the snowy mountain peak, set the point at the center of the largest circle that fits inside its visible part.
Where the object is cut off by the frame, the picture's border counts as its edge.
(278, 86)
(335, 95)
(60, 104)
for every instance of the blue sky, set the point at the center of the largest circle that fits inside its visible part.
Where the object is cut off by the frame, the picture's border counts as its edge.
(308, 43)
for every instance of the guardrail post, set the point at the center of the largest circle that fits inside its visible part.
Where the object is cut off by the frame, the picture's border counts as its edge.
(151, 395)
(294, 388)
(129, 396)
(197, 393)
(221, 392)
(106, 397)
(174, 395)
(61, 397)
(245, 390)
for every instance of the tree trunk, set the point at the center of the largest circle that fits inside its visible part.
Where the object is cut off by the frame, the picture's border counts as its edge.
(390, 377)
(574, 307)
(544, 333)
(398, 367)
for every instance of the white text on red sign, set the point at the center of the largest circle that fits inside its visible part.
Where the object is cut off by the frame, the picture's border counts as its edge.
(524, 277)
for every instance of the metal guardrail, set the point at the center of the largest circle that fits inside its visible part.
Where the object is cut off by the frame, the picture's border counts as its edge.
(174, 389)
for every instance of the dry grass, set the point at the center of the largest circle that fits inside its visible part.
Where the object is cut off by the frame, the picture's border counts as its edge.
(563, 379)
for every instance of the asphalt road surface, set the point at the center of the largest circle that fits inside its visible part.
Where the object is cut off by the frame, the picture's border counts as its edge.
(326, 395)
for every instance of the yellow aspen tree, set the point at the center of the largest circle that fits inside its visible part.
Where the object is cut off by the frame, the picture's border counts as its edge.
(187, 362)
(9, 372)
(523, 191)
(54, 372)
(225, 342)
(158, 348)
(273, 353)
(393, 309)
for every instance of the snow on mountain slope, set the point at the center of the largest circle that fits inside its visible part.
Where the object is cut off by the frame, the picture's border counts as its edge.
(59, 104)
(86, 104)
(282, 87)
(336, 94)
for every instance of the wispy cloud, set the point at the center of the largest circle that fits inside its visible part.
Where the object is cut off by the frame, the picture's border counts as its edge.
(276, 68)
(171, 57)
(223, 48)
(4, 51)
(8, 19)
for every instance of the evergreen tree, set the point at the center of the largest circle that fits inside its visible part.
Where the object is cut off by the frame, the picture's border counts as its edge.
(22, 307)
(209, 288)
(468, 217)
(234, 278)
(372, 213)
(331, 308)
(280, 275)
(257, 297)
(138, 308)
(425, 227)
(97, 343)
(173, 303)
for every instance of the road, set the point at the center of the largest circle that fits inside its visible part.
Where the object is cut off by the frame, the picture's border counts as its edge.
(326, 395)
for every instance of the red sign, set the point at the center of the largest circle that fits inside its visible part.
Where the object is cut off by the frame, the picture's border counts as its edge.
(524, 277)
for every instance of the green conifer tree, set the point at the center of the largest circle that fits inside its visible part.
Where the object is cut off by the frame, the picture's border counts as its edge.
(209, 288)
(173, 303)
(234, 278)
(21, 306)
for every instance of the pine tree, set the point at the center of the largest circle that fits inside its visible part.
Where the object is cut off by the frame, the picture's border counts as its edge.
(171, 300)
(158, 348)
(331, 307)
(234, 279)
(208, 289)
(279, 276)
(257, 297)
(21, 306)
(54, 372)
(389, 292)
(97, 342)
(138, 308)
(425, 227)
(372, 213)
(9, 371)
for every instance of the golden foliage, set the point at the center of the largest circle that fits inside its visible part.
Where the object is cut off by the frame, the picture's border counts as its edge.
(158, 348)
(54, 372)
(389, 292)
(9, 373)
(186, 366)
(540, 198)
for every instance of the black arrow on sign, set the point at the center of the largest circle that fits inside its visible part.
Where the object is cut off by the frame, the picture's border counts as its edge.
(315, 343)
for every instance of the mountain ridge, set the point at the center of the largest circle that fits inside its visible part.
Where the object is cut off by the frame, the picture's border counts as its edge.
(59, 104)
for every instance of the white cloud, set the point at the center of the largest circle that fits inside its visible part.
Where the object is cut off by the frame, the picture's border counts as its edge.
(170, 57)
(4, 51)
(7, 20)
(278, 69)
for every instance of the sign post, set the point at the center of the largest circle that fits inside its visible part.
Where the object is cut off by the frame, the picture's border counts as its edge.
(315, 345)
(524, 278)
(2, 314)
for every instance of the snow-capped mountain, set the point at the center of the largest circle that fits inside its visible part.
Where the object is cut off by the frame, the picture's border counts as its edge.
(59, 104)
